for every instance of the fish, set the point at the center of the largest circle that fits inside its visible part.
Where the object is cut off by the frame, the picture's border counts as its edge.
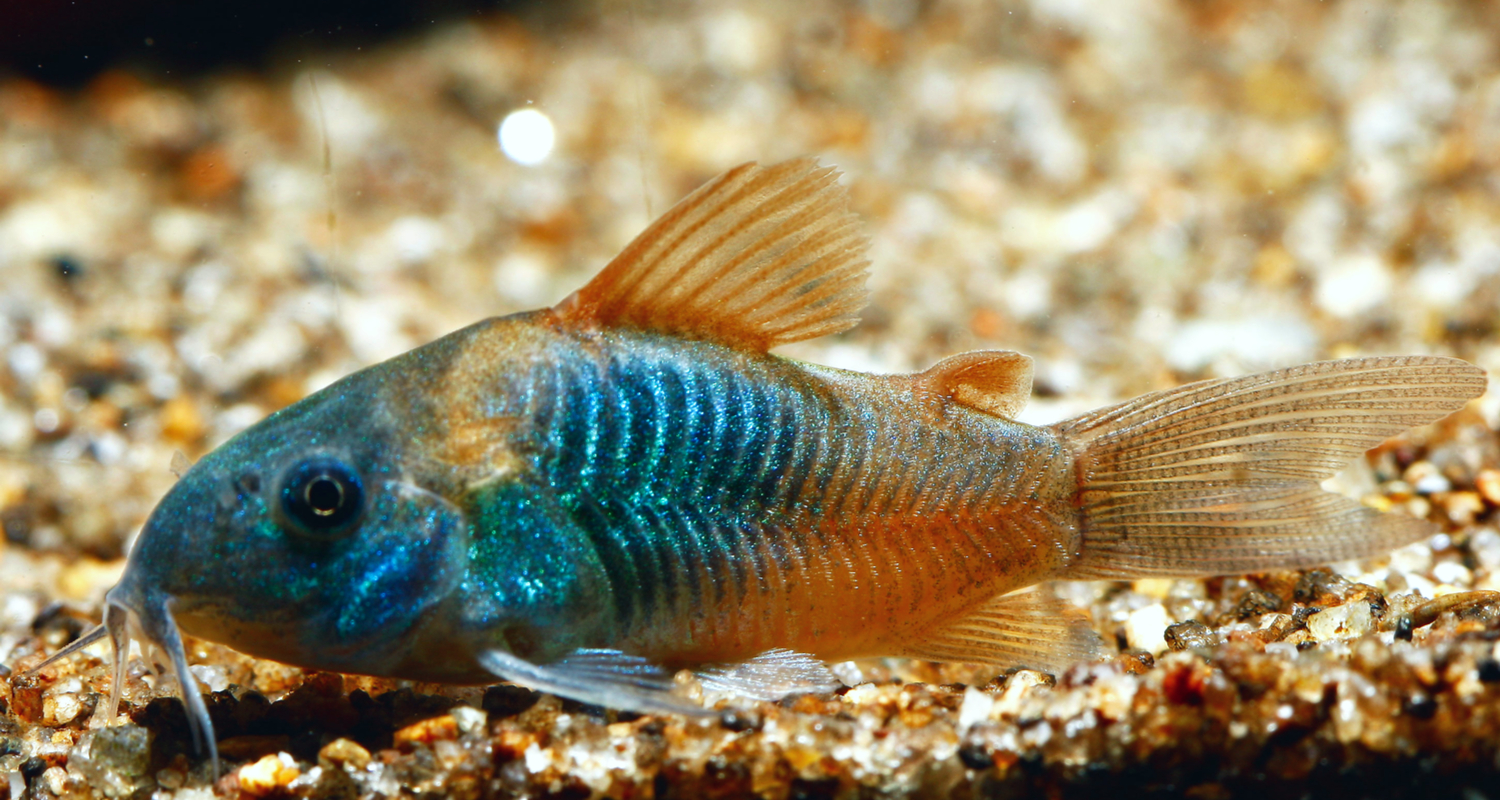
(588, 498)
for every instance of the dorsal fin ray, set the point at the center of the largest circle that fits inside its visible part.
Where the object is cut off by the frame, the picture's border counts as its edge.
(755, 258)
(996, 382)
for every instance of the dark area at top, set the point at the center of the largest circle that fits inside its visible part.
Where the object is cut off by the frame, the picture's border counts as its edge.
(66, 42)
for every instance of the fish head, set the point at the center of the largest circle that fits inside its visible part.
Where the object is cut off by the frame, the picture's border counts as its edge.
(309, 538)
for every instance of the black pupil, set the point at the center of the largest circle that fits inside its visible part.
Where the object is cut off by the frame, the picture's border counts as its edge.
(324, 495)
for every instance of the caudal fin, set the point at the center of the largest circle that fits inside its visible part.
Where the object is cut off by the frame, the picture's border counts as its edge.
(1222, 476)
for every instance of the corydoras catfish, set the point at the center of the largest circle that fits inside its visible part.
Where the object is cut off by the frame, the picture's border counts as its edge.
(587, 498)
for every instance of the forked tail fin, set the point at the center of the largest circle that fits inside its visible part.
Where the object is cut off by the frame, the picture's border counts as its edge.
(1222, 476)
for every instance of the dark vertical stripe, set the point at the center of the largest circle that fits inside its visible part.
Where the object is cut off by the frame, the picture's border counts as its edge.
(691, 555)
(662, 543)
(595, 427)
(623, 411)
(569, 432)
(620, 566)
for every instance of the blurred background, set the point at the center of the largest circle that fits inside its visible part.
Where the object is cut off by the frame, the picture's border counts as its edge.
(67, 44)
(209, 211)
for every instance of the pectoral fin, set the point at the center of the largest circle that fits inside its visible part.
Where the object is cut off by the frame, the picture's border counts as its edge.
(771, 675)
(607, 678)
(1029, 628)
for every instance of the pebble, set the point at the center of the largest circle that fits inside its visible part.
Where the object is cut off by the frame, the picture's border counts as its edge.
(976, 708)
(125, 749)
(1190, 635)
(1488, 484)
(1462, 508)
(470, 721)
(427, 731)
(1452, 573)
(1424, 477)
(1146, 628)
(1484, 543)
(1353, 285)
(1340, 622)
(343, 753)
(268, 775)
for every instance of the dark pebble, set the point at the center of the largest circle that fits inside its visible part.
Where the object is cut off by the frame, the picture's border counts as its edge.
(32, 768)
(507, 701)
(1404, 627)
(1190, 635)
(1255, 603)
(1321, 585)
(1489, 670)
(1419, 705)
(739, 721)
(975, 756)
(67, 267)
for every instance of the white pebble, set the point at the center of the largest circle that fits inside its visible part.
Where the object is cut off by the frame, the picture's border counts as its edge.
(1452, 573)
(1340, 622)
(1090, 223)
(470, 721)
(45, 420)
(235, 419)
(1146, 628)
(1255, 342)
(210, 676)
(180, 232)
(333, 109)
(1484, 543)
(976, 708)
(1432, 484)
(16, 430)
(109, 447)
(738, 42)
(26, 362)
(415, 239)
(536, 758)
(521, 277)
(54, 779)
(1028, 294)
(1353, 285)
(1413, 558)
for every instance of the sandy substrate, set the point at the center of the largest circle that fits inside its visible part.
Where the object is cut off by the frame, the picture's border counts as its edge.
(1137, 194)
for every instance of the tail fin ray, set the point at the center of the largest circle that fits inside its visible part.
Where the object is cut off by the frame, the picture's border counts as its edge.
(1222, 476)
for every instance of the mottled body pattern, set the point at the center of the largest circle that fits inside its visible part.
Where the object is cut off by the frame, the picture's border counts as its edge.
(585, 498)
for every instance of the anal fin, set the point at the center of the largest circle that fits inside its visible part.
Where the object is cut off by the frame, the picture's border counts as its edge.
(1027, 628)
(771, 675)
(606, 678)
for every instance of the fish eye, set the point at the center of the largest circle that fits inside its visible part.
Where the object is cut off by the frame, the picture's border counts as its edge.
(322, 497)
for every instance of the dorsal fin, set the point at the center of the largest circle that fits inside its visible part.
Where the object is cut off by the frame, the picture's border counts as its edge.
(996, 382)
(755, 258)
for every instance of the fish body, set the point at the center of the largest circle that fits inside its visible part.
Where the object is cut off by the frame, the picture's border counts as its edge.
(585, 498)
(683, 501)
